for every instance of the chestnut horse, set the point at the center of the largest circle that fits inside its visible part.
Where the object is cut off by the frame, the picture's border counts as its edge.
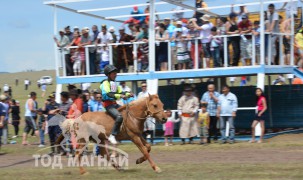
(134, 115)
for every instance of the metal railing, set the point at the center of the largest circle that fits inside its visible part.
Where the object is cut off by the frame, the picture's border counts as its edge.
(225, 44)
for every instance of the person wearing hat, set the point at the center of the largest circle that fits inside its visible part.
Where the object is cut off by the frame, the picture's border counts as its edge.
(232, 29)
(85, 40)
(188, 106)
(245, 27)
(110, 93)
(30, 117)
(204, 34)
(183, 28)
(76, 28)
(68, 33)
(243, 11)
(51, 108)
(125, 56)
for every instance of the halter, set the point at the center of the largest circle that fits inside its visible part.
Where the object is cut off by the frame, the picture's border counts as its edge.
(147, 112)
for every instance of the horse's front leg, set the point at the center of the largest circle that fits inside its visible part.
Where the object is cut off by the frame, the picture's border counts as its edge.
(148, 147)
(138, 142)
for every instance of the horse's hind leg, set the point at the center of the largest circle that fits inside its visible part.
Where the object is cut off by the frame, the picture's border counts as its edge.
(148, 148)
(137, 140)
(79, 151)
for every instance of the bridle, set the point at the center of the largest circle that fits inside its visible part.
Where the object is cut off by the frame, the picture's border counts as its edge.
(147, 112)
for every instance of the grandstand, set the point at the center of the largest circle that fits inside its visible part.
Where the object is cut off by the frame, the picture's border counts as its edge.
(152, 76)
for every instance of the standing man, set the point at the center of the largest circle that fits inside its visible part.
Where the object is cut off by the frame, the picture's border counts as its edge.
(227, 109)
(245, 27)
(125, 56)
(62, 43)
(273, 19)
(51, 108)
(188, 105)
(211, 98)
(26, 84)
(30, 116)
(93, 63)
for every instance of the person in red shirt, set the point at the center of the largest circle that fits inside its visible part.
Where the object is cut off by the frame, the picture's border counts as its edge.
(261, 107)
(297, 80)
(245, 27)
(76, 108)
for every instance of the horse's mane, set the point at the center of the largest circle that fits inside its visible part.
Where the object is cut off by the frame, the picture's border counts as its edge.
(135, 102)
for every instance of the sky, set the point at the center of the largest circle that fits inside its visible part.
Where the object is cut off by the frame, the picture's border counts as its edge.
(27, 28)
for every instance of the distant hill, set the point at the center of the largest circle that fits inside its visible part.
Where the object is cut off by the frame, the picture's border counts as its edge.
(4, 72)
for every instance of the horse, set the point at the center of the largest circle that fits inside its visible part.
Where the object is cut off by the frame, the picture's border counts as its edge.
(134, 115)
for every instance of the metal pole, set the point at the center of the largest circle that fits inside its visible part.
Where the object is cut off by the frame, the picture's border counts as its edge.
(225, 52)
(253, 50)
(169, 56)
(87, 60)
(135, 58)
(269, 102)
(196, 54)
(292, 36)
(63, 62)
(151, 38)
(110, 53)
(55, 45)
(269, 50)
(262, 35)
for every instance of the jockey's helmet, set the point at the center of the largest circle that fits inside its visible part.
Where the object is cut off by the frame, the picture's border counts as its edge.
(109, 68)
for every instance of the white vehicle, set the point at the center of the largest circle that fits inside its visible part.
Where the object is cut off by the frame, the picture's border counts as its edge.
(45, 80)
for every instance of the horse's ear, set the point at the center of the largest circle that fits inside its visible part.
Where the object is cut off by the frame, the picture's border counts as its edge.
(150, 97)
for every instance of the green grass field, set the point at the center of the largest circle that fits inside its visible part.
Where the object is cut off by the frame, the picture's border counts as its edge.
(272, 160)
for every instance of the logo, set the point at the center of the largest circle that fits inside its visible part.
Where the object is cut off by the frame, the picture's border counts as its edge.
(75, 140)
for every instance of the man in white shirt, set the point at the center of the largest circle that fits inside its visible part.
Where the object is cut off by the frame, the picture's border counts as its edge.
(104, 37)
(26, 83)
(227, 109)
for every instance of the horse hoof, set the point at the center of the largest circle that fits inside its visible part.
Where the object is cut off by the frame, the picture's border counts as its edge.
(138, 161)
(158, 170)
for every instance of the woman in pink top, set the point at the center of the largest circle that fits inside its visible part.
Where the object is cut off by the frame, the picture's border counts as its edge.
(261, 107)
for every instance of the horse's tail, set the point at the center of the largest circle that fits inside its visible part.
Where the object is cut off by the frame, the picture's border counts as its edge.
(60, 139)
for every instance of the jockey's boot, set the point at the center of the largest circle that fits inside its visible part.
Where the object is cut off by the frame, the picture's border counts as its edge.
(116, 129)
(112, 139)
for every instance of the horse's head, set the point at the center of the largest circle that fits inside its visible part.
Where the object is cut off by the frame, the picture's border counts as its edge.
(155, 109)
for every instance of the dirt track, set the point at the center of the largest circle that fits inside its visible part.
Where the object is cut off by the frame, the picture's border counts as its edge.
(270, 152)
